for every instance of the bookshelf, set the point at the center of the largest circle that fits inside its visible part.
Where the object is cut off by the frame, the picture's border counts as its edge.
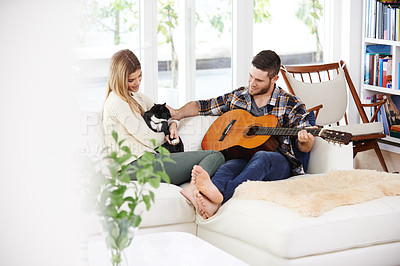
(381, 27)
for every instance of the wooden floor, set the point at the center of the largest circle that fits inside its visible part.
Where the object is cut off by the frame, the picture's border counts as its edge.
(368, 160)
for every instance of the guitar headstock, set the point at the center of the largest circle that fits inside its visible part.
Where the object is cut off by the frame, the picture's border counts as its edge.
(336, 136)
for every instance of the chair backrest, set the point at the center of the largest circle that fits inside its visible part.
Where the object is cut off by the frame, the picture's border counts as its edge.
(322, 70)
(319, 84)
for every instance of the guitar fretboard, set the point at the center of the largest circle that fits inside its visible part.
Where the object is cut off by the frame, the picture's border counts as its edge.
(274, 131)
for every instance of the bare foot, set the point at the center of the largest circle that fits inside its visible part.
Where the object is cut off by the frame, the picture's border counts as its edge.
(203, 183)
(200, 210)
(188, 193)
(206, 206)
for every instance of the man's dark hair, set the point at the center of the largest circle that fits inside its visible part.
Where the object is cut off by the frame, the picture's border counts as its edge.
(269, 61)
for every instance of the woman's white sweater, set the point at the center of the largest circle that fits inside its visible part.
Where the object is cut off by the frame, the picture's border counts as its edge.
(118, 116)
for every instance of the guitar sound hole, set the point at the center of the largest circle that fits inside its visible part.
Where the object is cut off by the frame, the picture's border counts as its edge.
(252, 131)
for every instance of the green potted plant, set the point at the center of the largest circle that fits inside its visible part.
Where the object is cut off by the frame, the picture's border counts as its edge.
(116, 198)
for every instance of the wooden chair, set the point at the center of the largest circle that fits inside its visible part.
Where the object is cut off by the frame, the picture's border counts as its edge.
(327, 85)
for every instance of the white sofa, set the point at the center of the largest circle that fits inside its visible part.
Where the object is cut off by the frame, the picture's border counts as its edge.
(265, 233)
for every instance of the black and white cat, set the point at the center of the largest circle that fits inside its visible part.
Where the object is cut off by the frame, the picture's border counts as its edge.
(157, 119)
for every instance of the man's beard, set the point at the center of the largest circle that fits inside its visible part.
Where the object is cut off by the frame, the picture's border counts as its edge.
(264, 90)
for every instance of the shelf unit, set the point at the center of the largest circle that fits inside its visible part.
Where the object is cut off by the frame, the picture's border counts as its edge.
(389, 143)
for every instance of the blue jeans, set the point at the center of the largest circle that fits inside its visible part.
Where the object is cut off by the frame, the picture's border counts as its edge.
(264, 165)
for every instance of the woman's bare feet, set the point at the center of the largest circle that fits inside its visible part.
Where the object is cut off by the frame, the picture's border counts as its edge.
(206, 206)
(188, 193)
(202, 181)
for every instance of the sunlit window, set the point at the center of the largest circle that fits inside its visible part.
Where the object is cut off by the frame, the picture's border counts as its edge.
(291, 28)
(167, 35)
(212, 37)
(104, 27)
(213, 48)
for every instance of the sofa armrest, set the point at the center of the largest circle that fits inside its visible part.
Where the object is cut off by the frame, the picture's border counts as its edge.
(326, 156)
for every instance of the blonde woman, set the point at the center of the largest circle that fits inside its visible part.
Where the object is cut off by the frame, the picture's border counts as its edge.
(123, 111)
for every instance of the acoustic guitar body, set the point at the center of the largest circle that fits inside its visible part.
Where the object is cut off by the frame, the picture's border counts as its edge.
(232, 134)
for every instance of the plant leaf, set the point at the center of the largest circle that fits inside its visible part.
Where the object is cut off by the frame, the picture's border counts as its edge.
(155, 182)
(115, 135)
(137, 220)
(124, 158)
(121, 215)
(126, 149)
(125, 178)
(168, 159)
(151, 195)
(123, 242)
(120, 143)
(144, 173)
(110, 242)
(164, 176)
(129, 199)
(114, 169)
(115, 232)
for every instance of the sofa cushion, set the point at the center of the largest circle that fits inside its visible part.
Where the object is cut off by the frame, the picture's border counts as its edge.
(281, 231)
(170, 207)
(192, 130)
(361, 129)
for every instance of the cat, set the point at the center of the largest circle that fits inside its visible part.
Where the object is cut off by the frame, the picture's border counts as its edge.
(157, 119)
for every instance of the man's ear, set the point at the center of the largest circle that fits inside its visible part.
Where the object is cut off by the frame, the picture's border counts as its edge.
(275, 79)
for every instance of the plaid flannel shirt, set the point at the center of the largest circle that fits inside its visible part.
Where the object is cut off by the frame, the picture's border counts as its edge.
(289, 110)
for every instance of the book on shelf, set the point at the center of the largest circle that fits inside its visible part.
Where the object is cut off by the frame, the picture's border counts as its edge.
(385, 119)
(389, 113)
(382, 20)
(383, 71)
(378, 66)
(395, 134)
(395, 131)
(389, 74)
(393, 112)
(395, 128)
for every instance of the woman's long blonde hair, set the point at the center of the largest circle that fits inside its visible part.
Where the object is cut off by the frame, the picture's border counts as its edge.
(123, 63)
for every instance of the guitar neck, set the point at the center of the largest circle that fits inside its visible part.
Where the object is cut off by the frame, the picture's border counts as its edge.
(275, 131)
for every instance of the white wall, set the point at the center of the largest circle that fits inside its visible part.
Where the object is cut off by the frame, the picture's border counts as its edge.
(345, 39)
(37, 181)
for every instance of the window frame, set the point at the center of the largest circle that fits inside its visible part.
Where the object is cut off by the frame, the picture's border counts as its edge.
(242, 51)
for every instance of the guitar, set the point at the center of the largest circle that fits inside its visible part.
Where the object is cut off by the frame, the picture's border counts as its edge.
(238, 134)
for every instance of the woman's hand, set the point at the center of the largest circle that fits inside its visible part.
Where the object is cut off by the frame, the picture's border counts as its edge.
(173, 134)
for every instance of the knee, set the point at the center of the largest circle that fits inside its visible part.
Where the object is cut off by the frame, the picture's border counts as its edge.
(219, 157)
(262, 155)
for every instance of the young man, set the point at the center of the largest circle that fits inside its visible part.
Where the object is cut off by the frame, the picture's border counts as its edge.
(261, 97)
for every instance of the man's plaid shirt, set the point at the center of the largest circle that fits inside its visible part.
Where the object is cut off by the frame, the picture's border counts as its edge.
(289, 110)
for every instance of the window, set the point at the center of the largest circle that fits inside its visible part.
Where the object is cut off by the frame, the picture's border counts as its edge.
(291, 28)
(104, 27)
(213, 48)
(168, 32)
(189, 51)
(195, 47)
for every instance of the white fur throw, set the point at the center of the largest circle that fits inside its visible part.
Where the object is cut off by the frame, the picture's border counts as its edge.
(312, 196)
